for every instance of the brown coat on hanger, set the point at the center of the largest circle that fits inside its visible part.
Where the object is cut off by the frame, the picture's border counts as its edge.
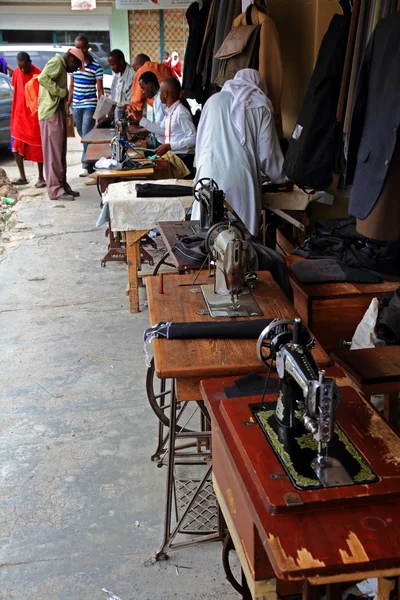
(270, 59)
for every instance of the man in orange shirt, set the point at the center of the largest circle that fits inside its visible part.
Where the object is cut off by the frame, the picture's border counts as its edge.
(141, 64)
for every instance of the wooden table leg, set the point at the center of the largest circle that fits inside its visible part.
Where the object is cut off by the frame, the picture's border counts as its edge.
(385, 586)
(310, 592)
(390, 408)
(133, 259)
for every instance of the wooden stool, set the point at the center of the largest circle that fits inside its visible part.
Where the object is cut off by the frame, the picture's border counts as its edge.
(333, 310)
(374, 371)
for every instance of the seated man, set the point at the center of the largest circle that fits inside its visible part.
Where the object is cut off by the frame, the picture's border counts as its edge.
(178, 127)
(236, 142)
(121, 87)
(151, 89)
(141, 64)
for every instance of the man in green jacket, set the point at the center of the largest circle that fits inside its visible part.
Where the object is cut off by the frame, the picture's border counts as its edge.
(52, 112)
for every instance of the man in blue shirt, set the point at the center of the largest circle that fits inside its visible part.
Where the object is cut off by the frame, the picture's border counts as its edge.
(84, 90)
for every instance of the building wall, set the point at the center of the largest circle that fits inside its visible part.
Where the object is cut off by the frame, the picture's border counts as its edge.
(119, 31)
(301, 26)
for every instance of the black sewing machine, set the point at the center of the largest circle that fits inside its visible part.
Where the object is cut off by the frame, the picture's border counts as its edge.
(119, 143)
(211, 199)
(300, 426)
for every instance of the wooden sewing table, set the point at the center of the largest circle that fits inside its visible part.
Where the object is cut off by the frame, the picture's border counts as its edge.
(170, 231)
(186, 362)
(375, 371)
(99, 135)
(333, 310)
(343, 543)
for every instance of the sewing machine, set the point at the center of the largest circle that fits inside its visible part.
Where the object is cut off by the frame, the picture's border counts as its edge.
(230, 295)
(301, 427)
(211, 200)
(119, 143)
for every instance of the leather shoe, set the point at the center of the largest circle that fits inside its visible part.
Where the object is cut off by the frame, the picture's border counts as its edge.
(64, 196)
(72, 192)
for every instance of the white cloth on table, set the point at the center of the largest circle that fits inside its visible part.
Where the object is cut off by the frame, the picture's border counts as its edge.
(127, 212)
(236, 168)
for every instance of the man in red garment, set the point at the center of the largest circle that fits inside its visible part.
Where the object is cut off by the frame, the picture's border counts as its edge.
(25, 131)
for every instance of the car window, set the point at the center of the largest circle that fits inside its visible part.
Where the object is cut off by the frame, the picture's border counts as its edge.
(5, 89)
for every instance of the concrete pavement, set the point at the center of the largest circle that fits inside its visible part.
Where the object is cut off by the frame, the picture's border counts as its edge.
(81, 504)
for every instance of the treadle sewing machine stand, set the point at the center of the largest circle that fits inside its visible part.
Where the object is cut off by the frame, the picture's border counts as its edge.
(117, 248)
(186, 362)
(190, 504)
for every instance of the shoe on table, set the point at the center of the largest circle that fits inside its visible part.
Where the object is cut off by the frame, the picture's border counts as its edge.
(64, 196)
(84, 173)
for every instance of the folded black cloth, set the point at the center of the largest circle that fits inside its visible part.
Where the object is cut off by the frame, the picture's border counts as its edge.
(324, 270)
(252, 385)
(235, 330)
(388, 322)
(337, 238)
(191, 248)
(157, 190)
(128, 164)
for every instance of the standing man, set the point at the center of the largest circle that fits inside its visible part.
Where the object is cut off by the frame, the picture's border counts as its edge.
(121, 87)
(85, 88)
(52, 112)
(236, 142)
(25, 131)
(142, 63)
(5, 67)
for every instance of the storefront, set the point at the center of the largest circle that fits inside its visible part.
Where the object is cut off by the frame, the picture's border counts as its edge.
(48, 23)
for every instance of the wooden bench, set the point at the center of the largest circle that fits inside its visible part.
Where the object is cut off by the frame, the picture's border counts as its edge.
(375, 371)
(333, 310)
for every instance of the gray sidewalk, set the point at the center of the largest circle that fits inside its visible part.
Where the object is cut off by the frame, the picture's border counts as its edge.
(81, 504)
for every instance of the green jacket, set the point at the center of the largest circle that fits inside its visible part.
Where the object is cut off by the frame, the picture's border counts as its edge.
(53, 87)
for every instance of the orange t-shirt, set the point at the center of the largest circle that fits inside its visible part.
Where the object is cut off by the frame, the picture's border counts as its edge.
(162, 72)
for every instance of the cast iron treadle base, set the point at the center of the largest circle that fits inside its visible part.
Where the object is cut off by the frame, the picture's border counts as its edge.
(202, 518)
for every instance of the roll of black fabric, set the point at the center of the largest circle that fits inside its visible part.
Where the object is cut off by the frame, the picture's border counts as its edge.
(237, 330)
(158, 190)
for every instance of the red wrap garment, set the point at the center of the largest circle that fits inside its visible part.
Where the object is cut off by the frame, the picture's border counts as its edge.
(25, 130)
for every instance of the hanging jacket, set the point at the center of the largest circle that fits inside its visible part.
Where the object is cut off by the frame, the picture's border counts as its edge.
(197, 20)
(310, 159)
(269, 59)
(376, 117)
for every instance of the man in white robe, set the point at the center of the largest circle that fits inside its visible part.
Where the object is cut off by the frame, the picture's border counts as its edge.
(236, 142)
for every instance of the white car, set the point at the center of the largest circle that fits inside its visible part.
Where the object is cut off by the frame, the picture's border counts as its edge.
(40, 54)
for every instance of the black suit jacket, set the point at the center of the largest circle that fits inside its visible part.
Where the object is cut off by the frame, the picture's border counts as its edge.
(375, 118)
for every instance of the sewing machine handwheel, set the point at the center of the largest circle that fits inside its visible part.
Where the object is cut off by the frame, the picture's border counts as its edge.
(205, 182)
(266, 349)
(216, 229)
(278, 333)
